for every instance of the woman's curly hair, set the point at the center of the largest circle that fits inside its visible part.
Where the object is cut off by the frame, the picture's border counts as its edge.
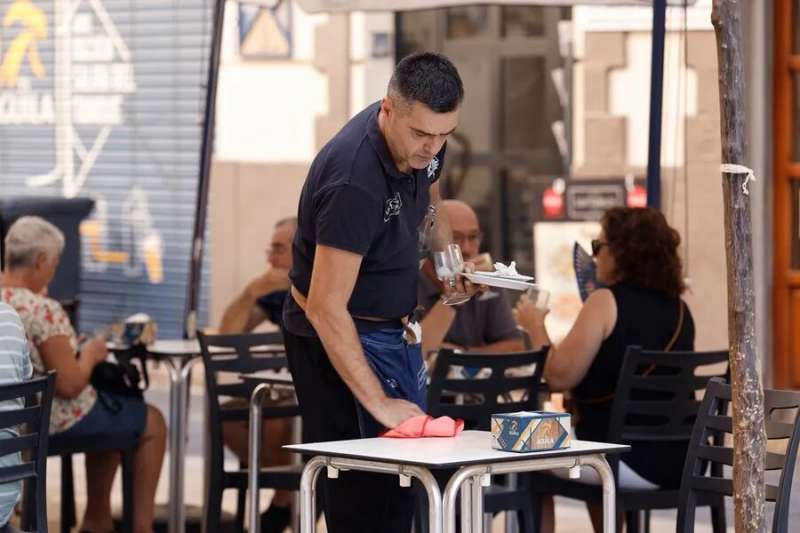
(645, 249)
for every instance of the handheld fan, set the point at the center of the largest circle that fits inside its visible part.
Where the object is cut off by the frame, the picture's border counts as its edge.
(584, 271)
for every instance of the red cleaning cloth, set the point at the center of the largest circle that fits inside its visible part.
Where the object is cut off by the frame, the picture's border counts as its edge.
(426, 426)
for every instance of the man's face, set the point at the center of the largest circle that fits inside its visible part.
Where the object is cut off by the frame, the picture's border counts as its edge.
(414, 132)
(466, 229)
(279, 254)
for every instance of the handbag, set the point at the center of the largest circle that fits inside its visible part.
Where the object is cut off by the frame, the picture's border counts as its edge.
(121, 377)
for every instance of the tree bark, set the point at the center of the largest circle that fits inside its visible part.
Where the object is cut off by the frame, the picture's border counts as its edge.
(749, 436)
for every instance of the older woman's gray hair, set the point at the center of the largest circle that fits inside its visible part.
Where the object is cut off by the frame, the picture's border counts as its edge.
(28, 238)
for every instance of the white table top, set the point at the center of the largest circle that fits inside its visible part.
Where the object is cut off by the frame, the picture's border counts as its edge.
(471, 447)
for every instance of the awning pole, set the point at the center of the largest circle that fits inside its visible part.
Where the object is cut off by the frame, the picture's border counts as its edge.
(198, 236)
(656, 104)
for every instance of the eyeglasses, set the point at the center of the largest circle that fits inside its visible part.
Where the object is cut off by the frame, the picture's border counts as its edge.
(472, 238)
(596, 245)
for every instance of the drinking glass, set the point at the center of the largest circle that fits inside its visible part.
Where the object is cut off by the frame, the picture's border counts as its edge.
(449, 263)
(539, 297)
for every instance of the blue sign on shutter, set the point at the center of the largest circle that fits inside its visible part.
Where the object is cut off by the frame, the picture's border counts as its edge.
(104, 99)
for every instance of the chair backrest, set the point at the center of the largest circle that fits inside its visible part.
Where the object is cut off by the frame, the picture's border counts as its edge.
(226, 357)
(658, 394)
(31, 423)
(708, 446)
(513, 383)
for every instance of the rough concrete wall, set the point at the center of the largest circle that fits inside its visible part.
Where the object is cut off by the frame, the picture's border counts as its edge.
(708, 295)
(246, 201)
(331, 57)
(605, 155)
(248, 198)
(605, 135)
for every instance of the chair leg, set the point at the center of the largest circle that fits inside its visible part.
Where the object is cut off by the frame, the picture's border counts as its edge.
(241, 498)
(212, 515)
(718, 524)
(68, 519)
(127, 491)
(526, 522)
(536, 515)
(631, 521)
(646, 520)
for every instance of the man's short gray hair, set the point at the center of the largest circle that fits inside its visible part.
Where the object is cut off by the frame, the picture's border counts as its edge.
(28, 238)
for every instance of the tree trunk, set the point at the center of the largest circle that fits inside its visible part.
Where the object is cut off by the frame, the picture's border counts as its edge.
(749, 437)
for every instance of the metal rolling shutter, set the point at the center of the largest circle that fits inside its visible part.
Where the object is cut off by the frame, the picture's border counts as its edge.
(133, 73)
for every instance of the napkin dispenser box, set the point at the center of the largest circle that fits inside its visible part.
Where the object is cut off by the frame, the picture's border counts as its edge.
(530, 431)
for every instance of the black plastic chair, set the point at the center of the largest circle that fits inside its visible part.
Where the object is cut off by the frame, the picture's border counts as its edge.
(32, 423)
(656, 401)
(514, 384)
(123, 442)
(707, 446)
(242, 361)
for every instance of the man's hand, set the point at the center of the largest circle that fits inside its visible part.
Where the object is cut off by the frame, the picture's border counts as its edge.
(274, 279)
(461, 286)
(392, 412)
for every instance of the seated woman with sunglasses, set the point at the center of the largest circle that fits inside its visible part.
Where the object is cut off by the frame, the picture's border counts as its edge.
(637, 260)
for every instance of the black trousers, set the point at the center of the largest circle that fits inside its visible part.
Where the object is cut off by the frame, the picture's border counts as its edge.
(356, 502)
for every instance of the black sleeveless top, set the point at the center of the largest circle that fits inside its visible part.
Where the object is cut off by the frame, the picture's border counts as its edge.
(649, 319)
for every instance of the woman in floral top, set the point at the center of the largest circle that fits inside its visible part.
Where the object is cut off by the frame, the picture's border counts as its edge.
(33, 247)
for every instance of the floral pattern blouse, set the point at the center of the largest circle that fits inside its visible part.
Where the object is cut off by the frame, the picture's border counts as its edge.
(44, 318)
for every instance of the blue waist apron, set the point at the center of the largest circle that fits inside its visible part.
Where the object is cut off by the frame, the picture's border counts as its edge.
(398, 366)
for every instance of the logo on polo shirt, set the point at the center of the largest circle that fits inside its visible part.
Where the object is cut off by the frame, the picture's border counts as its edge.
(393, 206)
(433, 166)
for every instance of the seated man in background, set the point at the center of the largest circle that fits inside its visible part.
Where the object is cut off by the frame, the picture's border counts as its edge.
(15, 366)
(482, 324)
(262, 300)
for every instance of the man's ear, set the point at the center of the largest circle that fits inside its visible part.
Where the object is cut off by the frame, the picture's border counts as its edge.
(387, 105)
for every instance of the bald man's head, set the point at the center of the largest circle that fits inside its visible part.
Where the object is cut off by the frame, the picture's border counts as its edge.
(465, 226)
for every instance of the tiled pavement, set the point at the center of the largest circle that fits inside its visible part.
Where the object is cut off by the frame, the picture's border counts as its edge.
(570, 516)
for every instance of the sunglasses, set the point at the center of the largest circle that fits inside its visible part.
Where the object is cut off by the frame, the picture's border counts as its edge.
(596, 245)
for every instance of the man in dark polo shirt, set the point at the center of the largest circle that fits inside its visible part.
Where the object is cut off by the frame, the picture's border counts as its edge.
(354, 281)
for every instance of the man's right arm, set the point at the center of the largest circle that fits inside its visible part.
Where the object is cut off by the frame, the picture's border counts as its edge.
(241, 315)
(332, 281)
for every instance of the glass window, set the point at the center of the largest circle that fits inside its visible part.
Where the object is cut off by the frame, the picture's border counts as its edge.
(417, 31)
(523, 21)
(529, 112)
(467, 22)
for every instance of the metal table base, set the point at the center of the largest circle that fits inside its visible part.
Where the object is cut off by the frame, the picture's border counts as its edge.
(468, 480)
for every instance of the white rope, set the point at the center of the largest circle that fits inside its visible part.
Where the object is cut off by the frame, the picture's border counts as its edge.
(730, 168)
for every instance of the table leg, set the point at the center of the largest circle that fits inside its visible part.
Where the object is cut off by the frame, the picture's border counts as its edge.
(314, 466)
(173, 435)
(511, 517)
(477, 505)
(179, 378)
(466, 506)
(308, 487)
(254, 455)
(599, 463)
(475, 472)
(449, 500)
